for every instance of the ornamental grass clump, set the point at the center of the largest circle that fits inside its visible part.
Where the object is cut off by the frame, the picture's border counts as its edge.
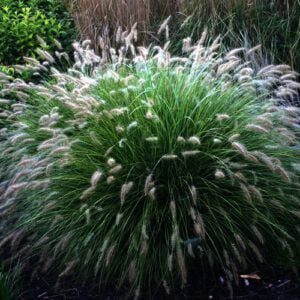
(137, 170)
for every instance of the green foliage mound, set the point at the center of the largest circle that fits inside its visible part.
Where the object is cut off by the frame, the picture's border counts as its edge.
(22, 22)
(139, 170)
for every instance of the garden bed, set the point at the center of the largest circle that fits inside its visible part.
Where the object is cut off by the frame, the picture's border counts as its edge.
(273, 284)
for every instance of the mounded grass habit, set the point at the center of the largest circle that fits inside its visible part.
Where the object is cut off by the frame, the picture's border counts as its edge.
(139, 170)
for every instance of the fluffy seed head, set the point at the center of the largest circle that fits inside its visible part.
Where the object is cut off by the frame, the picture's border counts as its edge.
(284, 174)
(234, 137)
(222, 117)
(111, 162)
(194, 194)
(173, 209)
(152, 139)
(118, 218)
(182, 265)
(246, 192)
(87, 192)
(120, 129)
(240, 148)
(149, 184)
(190, 153)
(132, 125)
(181, 140)
(256, 192)
(169, 157)
(109, 255)
(217, 141)
(240, 176)
(96, 178)
(110, 180)
(257, 128)
(152, 193)
(125, 190)
(115, 170)
(194, 140)
(132, 271)
(219, 174)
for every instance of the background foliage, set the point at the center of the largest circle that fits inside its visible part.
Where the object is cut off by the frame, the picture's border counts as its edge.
(21, 22)
(274, 24)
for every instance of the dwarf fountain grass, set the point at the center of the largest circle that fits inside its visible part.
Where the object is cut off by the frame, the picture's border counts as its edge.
(121, 196)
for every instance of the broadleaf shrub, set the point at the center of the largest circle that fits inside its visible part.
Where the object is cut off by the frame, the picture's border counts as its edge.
(21, 23)
(137, 170)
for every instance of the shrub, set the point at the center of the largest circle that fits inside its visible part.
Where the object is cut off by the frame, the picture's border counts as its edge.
(21, 23)
(139, 170)
(7, 70)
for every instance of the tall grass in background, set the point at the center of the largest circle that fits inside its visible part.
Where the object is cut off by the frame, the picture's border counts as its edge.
(103, 18)
(273, 24)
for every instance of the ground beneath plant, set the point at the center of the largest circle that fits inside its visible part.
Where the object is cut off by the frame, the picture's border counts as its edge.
(266, 283)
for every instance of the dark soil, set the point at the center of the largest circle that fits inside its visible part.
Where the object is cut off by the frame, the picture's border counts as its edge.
(270, 284)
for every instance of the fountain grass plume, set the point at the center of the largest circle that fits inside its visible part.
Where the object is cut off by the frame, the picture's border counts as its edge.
(134, 166)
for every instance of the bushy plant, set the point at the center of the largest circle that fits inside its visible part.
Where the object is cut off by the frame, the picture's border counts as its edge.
(7, 70)
(21, 23)
(138, 170)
